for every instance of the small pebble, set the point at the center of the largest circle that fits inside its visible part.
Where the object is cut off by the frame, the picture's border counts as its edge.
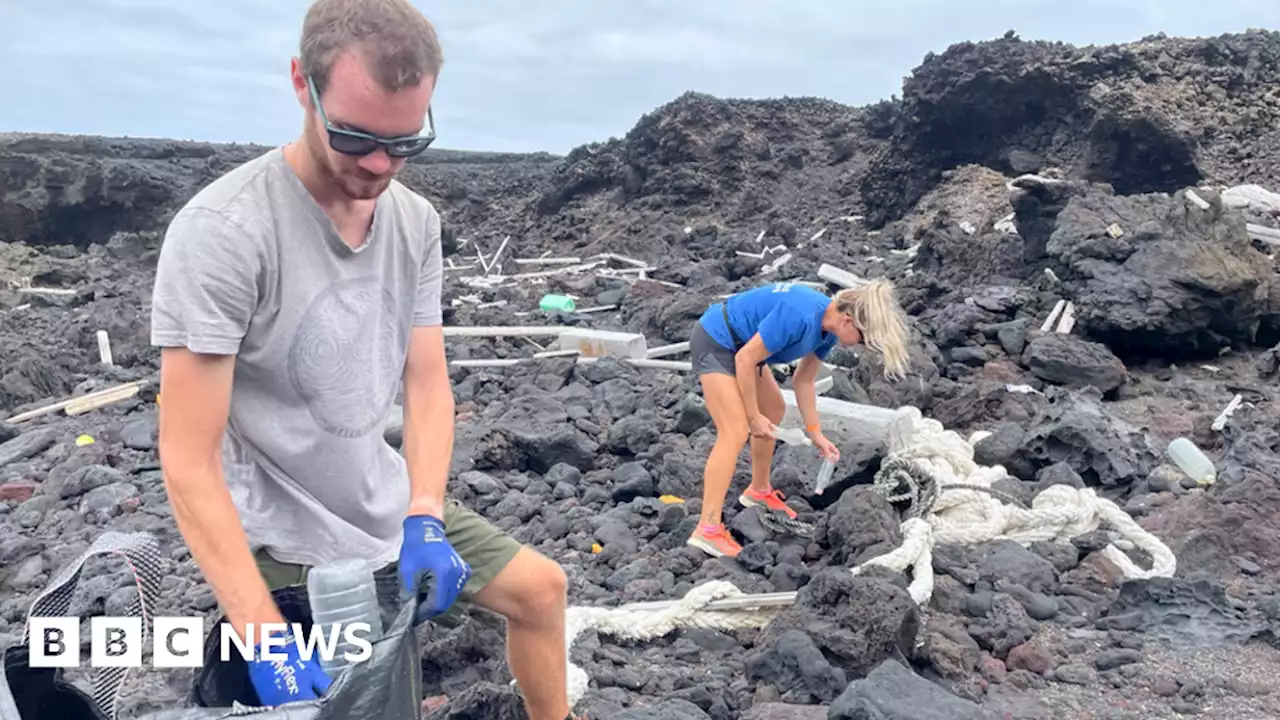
(1246, 566)
(1110, 659)
(1072, 674)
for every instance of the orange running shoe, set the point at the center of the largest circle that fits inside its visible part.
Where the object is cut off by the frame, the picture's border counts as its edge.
(771, 500)
(714, 540)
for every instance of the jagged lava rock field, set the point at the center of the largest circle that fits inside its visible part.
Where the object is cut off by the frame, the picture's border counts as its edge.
(1011, 178)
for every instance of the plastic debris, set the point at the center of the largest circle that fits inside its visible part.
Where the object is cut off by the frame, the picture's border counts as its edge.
(792, 436)
(824, 476)
(557, 303)
(1192, 461)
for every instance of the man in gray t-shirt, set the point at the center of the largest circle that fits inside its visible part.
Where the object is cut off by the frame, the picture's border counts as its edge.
(294, 297)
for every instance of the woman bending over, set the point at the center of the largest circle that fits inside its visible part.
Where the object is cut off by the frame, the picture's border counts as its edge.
(782, 322)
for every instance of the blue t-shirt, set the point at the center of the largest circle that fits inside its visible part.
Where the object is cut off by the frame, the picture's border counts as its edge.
(788, 317)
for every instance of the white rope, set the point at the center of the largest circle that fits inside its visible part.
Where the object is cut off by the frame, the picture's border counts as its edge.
(626, 623)
(967, 517)
(957, 515)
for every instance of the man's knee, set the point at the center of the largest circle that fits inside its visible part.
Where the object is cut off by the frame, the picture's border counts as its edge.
(529, 591)
(545, 591)
(551, 586)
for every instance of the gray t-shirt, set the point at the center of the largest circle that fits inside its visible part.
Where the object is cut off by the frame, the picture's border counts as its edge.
(252, 266)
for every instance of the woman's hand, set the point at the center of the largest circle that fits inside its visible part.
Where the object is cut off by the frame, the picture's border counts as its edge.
(760, 426)
(827, 448)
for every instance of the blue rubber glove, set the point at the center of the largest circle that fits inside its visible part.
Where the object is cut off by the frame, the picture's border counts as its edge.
(431, 571)
(283, 681)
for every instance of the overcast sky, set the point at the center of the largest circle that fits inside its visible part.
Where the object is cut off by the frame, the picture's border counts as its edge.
(521, 75)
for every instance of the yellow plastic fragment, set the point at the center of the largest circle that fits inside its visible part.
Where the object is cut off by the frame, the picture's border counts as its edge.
(84, 440)
(670, 499)
(595, 548)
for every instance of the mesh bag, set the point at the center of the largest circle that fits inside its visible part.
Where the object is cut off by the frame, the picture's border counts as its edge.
(387, 686)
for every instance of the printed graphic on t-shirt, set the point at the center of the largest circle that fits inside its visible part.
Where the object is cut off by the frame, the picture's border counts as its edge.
(346, 356)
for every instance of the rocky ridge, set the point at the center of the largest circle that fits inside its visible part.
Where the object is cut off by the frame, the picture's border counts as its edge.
(1113, 178)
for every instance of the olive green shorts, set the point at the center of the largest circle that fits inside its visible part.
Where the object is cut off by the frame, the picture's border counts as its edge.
(482, 545)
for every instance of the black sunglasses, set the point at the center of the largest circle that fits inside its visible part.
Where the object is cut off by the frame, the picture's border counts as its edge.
(354, 142)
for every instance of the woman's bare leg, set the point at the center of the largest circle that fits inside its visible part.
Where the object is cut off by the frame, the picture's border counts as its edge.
(773, 406)
(724, 403)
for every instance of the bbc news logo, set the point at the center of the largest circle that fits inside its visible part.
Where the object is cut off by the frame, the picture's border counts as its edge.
(178, 642)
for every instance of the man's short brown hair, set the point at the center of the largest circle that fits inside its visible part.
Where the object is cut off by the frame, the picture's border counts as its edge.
(392, 36)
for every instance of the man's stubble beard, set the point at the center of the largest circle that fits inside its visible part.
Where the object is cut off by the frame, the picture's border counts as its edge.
(352, 187)
(362, 189)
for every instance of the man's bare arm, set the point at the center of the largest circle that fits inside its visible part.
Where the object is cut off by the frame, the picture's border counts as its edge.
(196, 396)
(428, 421)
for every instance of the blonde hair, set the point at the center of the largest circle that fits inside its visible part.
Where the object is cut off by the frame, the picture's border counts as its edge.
(881, 320)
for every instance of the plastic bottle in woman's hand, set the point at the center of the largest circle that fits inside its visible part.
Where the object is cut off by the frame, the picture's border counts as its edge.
(824, 476)
(792, 436)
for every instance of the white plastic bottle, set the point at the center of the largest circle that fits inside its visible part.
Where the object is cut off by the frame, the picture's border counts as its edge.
(792, 436)
(341, 593)
(1192, 461)
(824, 475)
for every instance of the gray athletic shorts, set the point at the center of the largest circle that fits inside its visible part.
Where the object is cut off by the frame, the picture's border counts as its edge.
(709, 356)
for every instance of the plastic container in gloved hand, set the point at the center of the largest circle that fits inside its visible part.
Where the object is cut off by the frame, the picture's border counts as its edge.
(341, 593)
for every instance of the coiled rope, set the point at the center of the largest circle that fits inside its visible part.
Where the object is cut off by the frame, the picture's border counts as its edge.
(949, 499)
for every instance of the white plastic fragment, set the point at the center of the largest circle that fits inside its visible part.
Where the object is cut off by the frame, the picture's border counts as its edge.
(836, 276)
(1197, 200)
(104, 348)
(1220, 422)
(668, 350)
(1053, 315)
(549, 261)
(773, 266)
(1263, 234)
(493, 262)
(1068, 319)
(1006, 225)
(594, 343)
(1254, 197)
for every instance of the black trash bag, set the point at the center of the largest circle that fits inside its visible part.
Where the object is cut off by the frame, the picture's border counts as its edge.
(28, 693)
(387, 686)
